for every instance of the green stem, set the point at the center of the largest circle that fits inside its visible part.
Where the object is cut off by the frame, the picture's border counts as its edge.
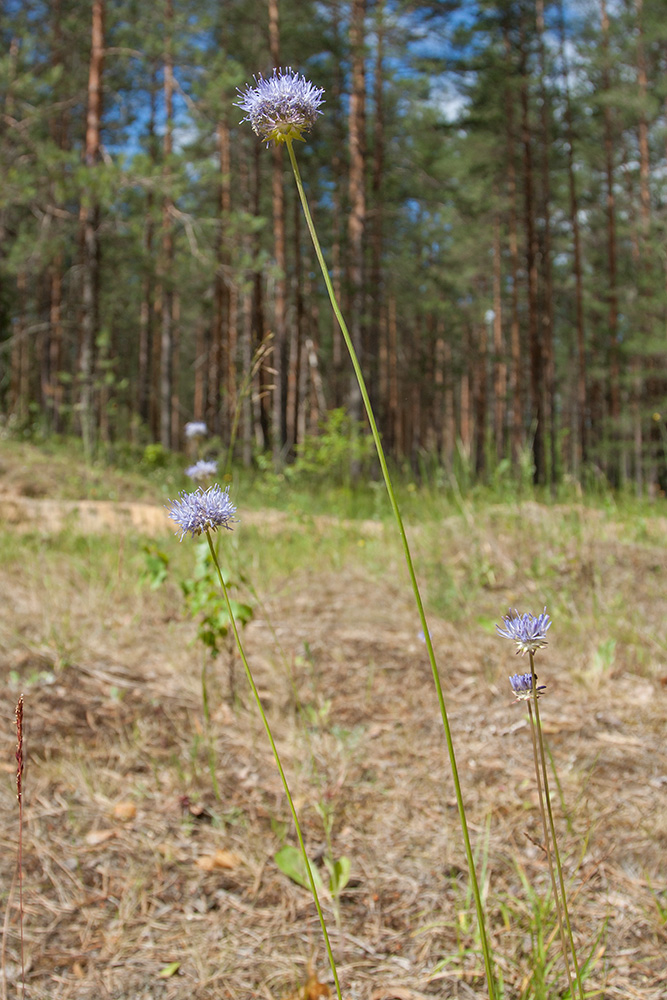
(552, 827)
(547, 845)
(297, 825)
(408, 558)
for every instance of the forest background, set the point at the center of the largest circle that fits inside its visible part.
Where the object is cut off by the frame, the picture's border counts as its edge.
(488, 181)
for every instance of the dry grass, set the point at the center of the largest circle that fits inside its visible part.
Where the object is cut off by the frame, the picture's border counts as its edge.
(121, 820)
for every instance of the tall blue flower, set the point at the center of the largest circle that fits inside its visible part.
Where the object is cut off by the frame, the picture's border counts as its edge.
(202, 470)
(522, 685)
(282, 107)
(195, 429)
(203, 510)
(528, 632)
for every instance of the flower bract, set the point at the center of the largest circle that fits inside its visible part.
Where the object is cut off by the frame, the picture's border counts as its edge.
(195, 429)
(281, 107)
(202, 470)
(522, 685)
(203, 510)
(527, 631)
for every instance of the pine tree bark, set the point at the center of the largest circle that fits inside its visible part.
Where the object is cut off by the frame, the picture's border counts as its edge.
(645, 278)
(338, 381)
(19, 382)
(516, 381)
(55, 364)
(167, 263)
(89, 219)
(357, 195)
(54, 347)
(296, 340)
(612, 286)
(175, 401)
(499, 363)
(377, 216)
(201, 358)
(265, 373)
(534, 342)
(279, 417)
(219, 420)
(5, 320)
(393, 413)
(479, 358)
(581, 436)
(547, 310)
(449, 420)
(147, 307)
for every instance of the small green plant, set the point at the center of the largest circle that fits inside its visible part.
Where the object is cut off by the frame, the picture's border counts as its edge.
(528, 633)
(201, 513)
(531, 919)
(206, 604)
(155, 456)
(156, 566)
(340, 444)
(290, 862)
(338, 868)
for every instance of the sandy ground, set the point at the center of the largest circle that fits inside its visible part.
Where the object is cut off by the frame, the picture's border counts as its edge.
(131, 863)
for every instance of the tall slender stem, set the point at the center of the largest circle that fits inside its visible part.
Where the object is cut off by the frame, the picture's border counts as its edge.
(265, 721)
(408, 558)
(19, 795)
(552, 827)
(547, 844)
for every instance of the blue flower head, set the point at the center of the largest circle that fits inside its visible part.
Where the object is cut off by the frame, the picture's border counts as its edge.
(195, 429)
(529, 633)
(201, 471)
(522, 685)
(281, 107)
(203, 510)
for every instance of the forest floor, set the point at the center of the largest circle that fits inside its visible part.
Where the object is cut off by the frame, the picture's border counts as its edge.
(139, 882)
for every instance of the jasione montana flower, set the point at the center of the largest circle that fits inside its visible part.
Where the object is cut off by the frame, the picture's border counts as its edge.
(203, 510)
(522, 685)
(529, 633)
(281, 107)
(202, 470)
(195, 429)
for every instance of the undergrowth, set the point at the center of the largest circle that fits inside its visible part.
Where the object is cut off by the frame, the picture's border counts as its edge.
(342, 694)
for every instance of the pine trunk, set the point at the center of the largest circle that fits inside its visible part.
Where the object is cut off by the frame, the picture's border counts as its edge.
(534, 342)
(89, 218)
(296, 337)
(581, 447)
(394, 419)
(612, 289)
(377, 216)
(279, 417)
(147, 308)
(516, 382)
(167, 318)
(645, 280)
(54, 347)
(547, 310)
(218, 344)
(499, 364)
(263, 410)
(357, 195)
(480, 394)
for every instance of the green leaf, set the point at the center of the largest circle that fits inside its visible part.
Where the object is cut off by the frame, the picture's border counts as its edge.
(291, 863)
(340, 875)
(169, 970)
